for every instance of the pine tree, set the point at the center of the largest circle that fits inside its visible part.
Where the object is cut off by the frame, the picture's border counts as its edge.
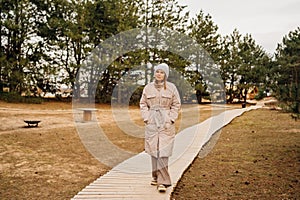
(243, 65)
(18, 51)
(203, 30)
(287, 70)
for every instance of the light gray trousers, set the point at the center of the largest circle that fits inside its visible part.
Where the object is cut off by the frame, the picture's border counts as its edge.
(160, 170)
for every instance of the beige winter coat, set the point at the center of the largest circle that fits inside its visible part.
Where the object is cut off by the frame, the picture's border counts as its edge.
(159, 109)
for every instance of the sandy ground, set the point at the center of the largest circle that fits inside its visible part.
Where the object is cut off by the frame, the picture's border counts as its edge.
(50, 161)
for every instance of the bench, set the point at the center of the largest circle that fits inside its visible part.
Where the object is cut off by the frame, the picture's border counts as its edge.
(295, 116)
(87, 113)
(32, 123)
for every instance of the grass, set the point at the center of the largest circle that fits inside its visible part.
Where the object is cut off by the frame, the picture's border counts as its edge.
(257, 156)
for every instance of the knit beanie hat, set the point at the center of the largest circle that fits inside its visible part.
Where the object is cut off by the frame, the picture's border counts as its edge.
(164, 67)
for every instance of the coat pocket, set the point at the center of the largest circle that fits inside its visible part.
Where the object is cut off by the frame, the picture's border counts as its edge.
(166, 99)
(151, 98)
(169, 129)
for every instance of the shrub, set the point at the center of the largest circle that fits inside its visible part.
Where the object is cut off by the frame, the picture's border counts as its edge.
(12, 97)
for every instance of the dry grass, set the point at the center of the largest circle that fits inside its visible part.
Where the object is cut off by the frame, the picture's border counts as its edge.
(257, 156)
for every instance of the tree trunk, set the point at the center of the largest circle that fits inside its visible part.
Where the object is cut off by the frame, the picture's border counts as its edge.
(199, 96)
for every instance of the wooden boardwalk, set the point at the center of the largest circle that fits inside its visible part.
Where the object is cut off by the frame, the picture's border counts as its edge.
(131, 178)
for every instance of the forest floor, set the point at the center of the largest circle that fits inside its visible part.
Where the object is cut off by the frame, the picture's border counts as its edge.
(256, 155)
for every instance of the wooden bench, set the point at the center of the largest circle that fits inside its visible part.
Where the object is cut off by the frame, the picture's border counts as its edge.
(32, 123)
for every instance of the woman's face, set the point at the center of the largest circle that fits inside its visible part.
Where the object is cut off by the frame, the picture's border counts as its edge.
(159, 75)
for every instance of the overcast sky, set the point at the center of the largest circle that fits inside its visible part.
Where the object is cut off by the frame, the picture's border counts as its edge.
(268, 21)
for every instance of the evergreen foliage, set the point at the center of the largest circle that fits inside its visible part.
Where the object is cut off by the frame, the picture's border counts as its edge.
(286, 71)
(43, 44)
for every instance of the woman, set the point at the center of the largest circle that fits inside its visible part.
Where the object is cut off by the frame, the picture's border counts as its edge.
(159, 105)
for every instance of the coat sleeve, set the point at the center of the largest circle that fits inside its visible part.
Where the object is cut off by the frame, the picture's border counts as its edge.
(175, 105)
(144, 107)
